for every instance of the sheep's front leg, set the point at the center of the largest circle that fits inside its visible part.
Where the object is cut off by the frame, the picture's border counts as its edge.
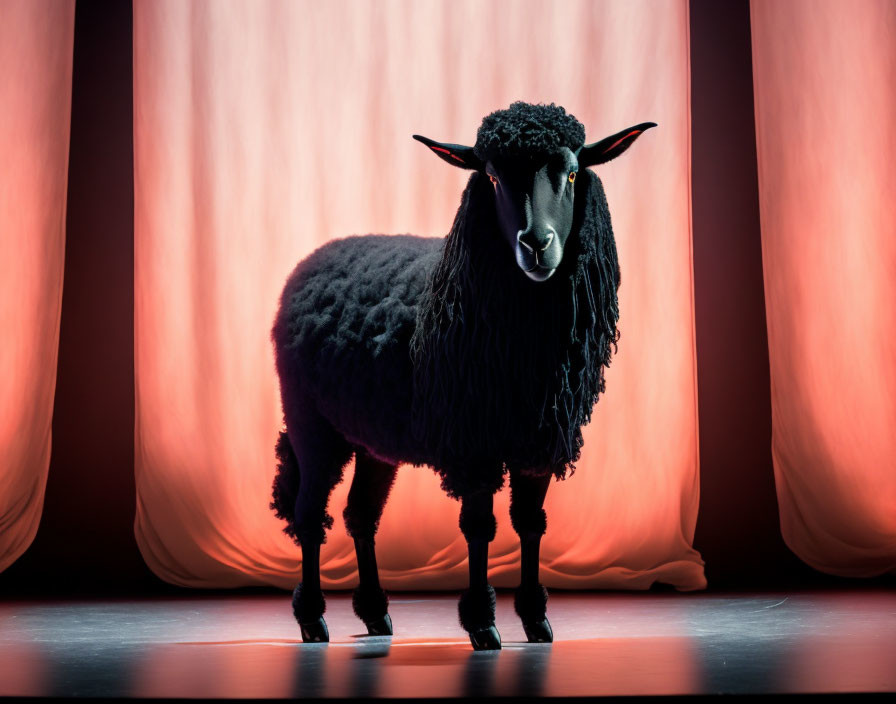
(477, 604)
(529, 521)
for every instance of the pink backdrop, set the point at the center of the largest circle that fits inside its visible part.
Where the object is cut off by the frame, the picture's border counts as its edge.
(264, 129)
(36, 39)
(824, 74)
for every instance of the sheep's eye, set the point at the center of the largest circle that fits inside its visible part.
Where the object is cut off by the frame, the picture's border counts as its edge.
(493, 179)
(572, 176)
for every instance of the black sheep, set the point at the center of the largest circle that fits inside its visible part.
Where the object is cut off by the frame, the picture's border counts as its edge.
(478, 354)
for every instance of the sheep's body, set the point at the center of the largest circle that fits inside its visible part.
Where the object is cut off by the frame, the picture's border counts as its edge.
(342, 338)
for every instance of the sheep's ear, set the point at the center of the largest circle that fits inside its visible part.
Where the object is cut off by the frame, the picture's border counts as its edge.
(610, 147)
(455, 154)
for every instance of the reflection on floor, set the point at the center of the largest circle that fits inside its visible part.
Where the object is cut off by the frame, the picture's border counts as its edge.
(607, 644)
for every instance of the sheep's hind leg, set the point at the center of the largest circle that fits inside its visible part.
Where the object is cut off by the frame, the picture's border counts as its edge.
(366, 500)
(322, 454)
(477, 604)
(529, 521)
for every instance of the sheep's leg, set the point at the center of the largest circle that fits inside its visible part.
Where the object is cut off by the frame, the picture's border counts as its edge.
(477, 604)
(311, 519)
(366, 499)
(529, 521)
(308, 602)
(321, 453)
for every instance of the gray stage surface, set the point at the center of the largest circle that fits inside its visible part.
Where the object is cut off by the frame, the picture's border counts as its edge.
(607, 644)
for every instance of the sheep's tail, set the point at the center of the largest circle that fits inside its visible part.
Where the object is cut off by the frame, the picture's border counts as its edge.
(286, 485)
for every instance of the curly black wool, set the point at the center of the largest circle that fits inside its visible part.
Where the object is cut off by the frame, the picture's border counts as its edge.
(529, 131)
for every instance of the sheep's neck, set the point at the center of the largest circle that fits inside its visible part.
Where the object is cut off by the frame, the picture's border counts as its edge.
(528, 314)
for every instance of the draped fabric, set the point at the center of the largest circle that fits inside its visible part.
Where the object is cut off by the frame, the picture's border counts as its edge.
(262, 130)
(825, 96)
(36, 40)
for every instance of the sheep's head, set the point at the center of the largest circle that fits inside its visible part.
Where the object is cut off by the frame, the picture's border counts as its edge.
(532, 155)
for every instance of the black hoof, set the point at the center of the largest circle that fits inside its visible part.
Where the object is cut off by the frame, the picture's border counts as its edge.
(486, 639)
(315, 632)
(380, 627)
(539, 632)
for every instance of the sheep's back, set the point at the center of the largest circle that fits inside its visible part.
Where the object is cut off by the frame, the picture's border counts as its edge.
(342, 335)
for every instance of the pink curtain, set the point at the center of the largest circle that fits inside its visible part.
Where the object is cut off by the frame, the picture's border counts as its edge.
(36, 39)
(264, 129)
(825, 89)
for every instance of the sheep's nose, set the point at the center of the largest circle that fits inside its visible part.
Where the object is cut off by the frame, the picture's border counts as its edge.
(535, 243)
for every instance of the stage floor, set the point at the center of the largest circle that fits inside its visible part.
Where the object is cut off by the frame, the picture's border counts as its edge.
(606, 644)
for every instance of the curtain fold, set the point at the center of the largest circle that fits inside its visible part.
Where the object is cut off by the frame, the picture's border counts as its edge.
(262, 130)
(36, 42)
(825, 97)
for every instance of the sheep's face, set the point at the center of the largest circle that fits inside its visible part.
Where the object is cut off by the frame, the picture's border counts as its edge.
(533, 195)
(534, 208)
